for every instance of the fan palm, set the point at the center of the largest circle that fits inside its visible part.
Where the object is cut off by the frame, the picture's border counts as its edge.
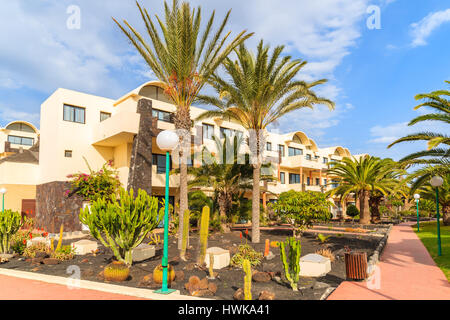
(261, 89)
(364, 177)
(223, 173)
(183, 59)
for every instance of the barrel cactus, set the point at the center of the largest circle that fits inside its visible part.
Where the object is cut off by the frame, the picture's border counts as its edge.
(116, 271)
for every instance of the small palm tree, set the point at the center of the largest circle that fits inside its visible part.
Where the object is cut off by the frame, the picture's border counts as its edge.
(183, 59)
(260, 90)
(365, 177)
(421, 185)
(224, 174)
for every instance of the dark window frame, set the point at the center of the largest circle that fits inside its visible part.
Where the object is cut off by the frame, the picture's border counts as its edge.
(66, 152)
(164, 113)
(21, 140)
(294, 178)
(295, 152)
(282, 177)
(105, 113)
(269, 146)
(160, 169)
(74, 108)
(207, 125)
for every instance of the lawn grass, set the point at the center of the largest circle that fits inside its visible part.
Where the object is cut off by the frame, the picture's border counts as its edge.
(428, 235)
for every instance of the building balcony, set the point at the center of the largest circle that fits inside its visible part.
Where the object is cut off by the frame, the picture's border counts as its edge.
(296, 162)
(119, 129)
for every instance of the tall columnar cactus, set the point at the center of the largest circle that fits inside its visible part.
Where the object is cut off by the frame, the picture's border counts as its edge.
(211, 266)
(204, 231)
(184, 241)
(61, 231)
(123, 223)
(247, 280)
(267, 248)
(10, 223)
(291, 267)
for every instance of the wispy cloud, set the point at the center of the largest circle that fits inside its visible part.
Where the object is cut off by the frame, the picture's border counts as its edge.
(422, 30)
(8, 114)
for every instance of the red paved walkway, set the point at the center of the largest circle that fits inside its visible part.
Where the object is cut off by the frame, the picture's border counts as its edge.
(407, 272)
(23, 289)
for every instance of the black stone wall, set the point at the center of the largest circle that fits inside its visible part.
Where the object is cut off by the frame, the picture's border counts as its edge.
(140, 174)
(54, 208)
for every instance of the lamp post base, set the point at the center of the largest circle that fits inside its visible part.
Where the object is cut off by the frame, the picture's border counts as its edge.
(168, 291)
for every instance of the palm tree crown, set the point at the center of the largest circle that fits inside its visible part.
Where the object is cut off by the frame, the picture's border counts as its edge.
(183, 59)
(260, 90)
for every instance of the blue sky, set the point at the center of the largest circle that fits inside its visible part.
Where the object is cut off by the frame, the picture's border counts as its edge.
(373, 74)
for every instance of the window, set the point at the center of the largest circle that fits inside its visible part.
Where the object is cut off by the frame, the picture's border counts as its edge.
(23, 141)
(308, 181)
(325, 182)
(308, 157)
(281, 150)
(159, 160)
(68, 153)
(230, 133)
(208, 131)
(295, 152)
(269, 146)
(317, 181)
(325, 160)
(162, 115)
(294, 178)
(316, 157)
(74, 114)
(104, 116)
(282, 178)
(20, 127)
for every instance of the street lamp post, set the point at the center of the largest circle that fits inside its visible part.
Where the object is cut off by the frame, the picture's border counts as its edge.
(3, 192)
(437, 182)
(166, 141)
(417, 197)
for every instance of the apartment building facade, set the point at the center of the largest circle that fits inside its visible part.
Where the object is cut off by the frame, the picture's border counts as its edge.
(78, 128)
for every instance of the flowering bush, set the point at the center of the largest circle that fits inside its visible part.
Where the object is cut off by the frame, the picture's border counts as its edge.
(102, 184)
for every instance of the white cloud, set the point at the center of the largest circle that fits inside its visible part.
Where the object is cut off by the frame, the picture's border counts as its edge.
(8, 114)
(425, 27)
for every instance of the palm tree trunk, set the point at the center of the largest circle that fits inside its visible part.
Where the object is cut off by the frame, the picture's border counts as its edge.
(374, 203)
(256, 203)
(364, 211)
(183, 122)
(446, 215)
(183, 201)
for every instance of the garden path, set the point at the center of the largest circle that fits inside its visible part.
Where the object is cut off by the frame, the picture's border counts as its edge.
(406, 272)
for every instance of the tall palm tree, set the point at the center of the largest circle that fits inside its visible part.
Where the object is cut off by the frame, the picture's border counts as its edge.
(257, 92)
(364, 177)
(183, 59)
(438, 143)
(224, 174)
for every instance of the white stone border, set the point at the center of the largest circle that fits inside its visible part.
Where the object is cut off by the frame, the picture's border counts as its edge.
(97, 286)
(375, 258)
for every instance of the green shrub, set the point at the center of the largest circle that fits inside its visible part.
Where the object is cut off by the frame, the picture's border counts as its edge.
(302, 207)
(19, 241)
(246, 252)
(352, 211)
(10, 223)
(102, 184)
(122, 224)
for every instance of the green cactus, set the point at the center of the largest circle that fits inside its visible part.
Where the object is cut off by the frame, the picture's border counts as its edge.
(204, 230)
(291, 267)
(61, 230)
(184, 241)
(247, 280)
(123, 223)
(10, 223)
